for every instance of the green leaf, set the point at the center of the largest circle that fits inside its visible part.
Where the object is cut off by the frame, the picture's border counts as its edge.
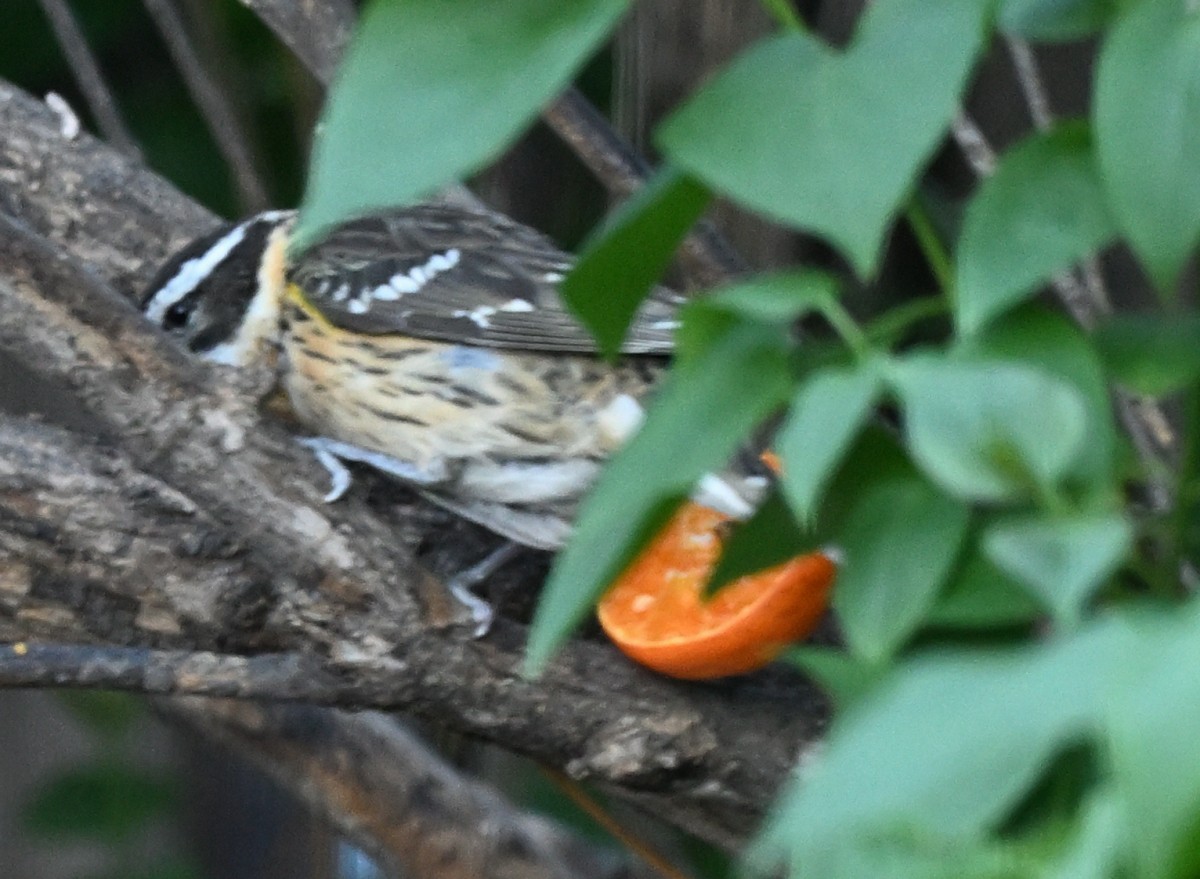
(769, 300)
(1040, 212)
(620, 265)
(1152, 718)
(108, 714)
(769, 538)
(1094, 853)
(899, 541)
(432, 89)
(1147, 120)
(704, 408)
(827, 413)
(1152, 354)
(989, 431)
(1055, 20)
(875, 457)
(1061, 561)
(933, 758)
(832, 141)
(977, 594)
(1048, 340)
(170, 869)
(98, 801)
(945, 753)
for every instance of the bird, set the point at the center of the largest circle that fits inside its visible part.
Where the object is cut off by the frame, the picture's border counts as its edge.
(431, 342)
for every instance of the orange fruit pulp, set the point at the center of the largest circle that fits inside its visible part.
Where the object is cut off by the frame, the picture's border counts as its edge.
(657, 615)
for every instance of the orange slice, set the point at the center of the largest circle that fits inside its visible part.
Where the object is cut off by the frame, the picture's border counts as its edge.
(656, 614)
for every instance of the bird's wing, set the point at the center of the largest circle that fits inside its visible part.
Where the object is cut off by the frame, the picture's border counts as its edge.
(445, 272)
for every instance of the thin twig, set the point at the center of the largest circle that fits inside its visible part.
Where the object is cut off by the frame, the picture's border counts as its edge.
(974, 145)
(598, 813)
(706, 255)
(87, 75)
(614, 162)
(317, 32)
(1032, 88)
(216, 109)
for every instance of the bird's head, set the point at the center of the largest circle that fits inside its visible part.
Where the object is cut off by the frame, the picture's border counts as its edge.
(220, 295)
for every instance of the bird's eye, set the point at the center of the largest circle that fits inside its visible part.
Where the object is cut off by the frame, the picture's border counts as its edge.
(177, 315)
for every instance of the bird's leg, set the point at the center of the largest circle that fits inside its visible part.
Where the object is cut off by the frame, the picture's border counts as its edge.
(461, 584)
(331, 453)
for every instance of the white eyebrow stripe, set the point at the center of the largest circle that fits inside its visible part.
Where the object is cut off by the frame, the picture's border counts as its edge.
(195, 270)
(192, 272)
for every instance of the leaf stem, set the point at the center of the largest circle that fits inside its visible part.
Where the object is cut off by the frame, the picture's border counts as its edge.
(846, 327)
(931, 246)
(884, 330)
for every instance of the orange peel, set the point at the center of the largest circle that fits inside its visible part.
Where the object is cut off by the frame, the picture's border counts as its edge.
(656, 612)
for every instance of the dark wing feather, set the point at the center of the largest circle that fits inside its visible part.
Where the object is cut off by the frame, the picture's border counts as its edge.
(449, 273)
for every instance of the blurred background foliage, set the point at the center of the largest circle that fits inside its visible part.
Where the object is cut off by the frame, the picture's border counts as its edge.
(275, 98)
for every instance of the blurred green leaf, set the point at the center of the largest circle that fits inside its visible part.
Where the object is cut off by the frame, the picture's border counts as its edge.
(1055, 20)
(874, 457)
(977, 594)
(1152, 718)
(704, 408)
(1061, 561)
(1094, 852)
(1040, 212)
(105, 713)
(989, 431)
(431, 89)
(770, 537)
(102, 801)
(826, 414)
(899, 542)
(163, 870)
(931, 759)
(1147, 122)
(1048, 340)
(934, 761)
(618, 268)
(769, 300)
(832, 141)
(1152, 354)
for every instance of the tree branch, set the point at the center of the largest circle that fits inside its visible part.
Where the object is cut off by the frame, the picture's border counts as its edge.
(315, 30)
(384, 789)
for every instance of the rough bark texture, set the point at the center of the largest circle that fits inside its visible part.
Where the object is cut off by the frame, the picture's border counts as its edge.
(195, 524)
